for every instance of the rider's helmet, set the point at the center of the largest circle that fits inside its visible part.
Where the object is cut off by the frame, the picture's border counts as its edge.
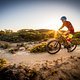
(63, 18)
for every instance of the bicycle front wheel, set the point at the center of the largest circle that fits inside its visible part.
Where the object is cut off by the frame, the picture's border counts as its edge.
(53, 47)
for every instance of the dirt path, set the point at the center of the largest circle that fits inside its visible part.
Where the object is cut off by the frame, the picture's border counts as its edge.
(32, 59)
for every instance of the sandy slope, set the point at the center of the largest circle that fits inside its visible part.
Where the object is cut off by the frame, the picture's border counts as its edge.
(32, 59)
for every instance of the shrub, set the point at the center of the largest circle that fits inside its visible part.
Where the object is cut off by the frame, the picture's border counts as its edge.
(4, 45)
(38, 48)
(77, 35)
(2, 62)
(78, 41)
(13, 50)
(24, 35)
(45, 39)
(20, 45)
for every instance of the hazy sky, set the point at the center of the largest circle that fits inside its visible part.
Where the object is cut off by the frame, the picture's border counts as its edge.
(38, 14)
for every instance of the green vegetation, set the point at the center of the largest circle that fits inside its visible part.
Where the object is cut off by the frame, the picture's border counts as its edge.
(2, 62)
(4, 45)
(17, 47)
(13, 50)
(38, 48)
(77, 37)
(25, 35)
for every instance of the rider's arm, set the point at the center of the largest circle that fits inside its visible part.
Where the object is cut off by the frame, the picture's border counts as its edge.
(61, 27)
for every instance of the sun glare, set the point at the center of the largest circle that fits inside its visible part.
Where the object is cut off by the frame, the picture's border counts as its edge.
(55, 25)
(38, 16)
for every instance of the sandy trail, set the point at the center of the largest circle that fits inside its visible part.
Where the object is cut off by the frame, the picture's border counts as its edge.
(32, 59)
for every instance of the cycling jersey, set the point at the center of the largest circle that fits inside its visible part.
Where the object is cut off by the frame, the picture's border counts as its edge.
(69, 26)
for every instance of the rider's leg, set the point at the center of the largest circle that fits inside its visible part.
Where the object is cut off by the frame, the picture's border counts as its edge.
(66, 40)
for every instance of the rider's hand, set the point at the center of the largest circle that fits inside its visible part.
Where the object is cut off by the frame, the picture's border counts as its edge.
(59, 29)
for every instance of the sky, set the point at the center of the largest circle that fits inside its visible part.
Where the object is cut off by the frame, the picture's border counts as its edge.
(38, 14)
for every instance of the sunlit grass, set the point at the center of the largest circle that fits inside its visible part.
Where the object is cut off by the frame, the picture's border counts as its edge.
(55, 34)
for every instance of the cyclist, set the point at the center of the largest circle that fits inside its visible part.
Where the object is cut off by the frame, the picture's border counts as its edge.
(69, 26)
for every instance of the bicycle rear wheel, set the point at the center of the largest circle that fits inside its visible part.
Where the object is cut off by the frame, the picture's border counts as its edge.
(53, 47)
(72, 45)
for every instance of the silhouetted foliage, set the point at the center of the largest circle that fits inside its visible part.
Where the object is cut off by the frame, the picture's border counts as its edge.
(25, 35)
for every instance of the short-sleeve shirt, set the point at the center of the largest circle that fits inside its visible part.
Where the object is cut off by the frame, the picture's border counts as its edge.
(69, 26)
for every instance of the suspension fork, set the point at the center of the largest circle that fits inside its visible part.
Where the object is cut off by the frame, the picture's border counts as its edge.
(65, 43)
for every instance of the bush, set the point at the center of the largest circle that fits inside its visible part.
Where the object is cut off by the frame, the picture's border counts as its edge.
(4, 45)
(20, 45)
(77, 40)
(13, 50)
(2, 62)
(24, 35)
(77, 35)
(38, 48)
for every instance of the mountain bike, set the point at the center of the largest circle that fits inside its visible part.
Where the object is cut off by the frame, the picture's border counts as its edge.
(56, 44)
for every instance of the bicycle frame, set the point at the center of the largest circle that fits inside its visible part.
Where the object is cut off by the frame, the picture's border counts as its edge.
(61, 38)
